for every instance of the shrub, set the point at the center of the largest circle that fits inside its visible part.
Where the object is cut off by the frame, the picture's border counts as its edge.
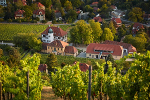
(34, 21)
(9, 20)
(1, 19)
(19, 20)
(44, 21)
(37, 18)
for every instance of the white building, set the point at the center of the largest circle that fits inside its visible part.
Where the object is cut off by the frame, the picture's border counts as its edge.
(40, 13)
(53, 33)
(3, 3)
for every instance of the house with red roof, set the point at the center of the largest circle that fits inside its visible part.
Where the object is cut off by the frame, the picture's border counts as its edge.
(53, 33)
(19, 14)
(40, 13)
(113, 7)
(136, 28)
(127, 48)
(98, 19)
(117, 22)
(57, 47)
(71, 51)
(101, 51)
(40, 6)
(43, 68)
(94, 4)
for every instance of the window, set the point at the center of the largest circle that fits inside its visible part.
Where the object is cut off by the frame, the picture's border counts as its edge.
(92, 56)
(58, 48)
(43, 35)
(48, 47)
(96, 56)
(89, 54)
(61, 48)
(58, 37)
(54, 49)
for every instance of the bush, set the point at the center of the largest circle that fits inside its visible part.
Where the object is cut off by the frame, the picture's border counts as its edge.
(1, 19)
(37, 18)
(9, 20)
(44, 21)
(34, 21)
(19, 20)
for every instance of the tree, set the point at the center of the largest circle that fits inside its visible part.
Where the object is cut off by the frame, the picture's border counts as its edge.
(112, 28)
(28, 12)
(81, 33)
(63, 2)
(57, 4)
(104, 11)
(136, 14)
(2, 14)
(51, 62)
(14, 58)
(110, 58)
(19, 4)
(107, 35)
(121, 31)
(71, 15)
(88, 8)
(68, 6)
(97, 31)
(47, 3)
(53, 16)
(62, 12)
(76, 3)
(48, 13)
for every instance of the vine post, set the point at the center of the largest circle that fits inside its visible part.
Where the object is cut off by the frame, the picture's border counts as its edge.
(28, 83)
(90, 78)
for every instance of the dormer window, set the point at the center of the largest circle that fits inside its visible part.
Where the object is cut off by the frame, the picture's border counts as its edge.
(40, 12)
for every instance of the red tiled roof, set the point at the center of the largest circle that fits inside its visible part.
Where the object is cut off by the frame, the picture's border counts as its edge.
(39, 4)
(70, 49)
(113, 7)
(98, 19)
(58, 43)
(57, 31)
(78, 12)
(94, 3)
(39, 10)
(124, 45)
(116, 20)
(117, 49)
(137, 27)
(44, 46)
(19, 12)
(42, 67)
(57, 11)
(84, 67)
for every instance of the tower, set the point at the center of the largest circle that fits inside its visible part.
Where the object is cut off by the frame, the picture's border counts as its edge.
(50, 35)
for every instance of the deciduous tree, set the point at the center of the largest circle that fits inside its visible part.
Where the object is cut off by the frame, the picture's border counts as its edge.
(107, 35)
(68, 6)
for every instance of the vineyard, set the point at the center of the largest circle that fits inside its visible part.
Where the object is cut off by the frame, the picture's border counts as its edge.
(14, 80)
(70, 59)
(71, 83)
(7, 31)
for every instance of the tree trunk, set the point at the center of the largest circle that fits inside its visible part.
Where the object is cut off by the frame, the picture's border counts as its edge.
(3, 96)
(7, 95)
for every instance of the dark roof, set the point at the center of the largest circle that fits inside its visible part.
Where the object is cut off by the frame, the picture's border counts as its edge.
(56, 30)
(70, 49)
(117, 49)
(137, 27)
(58, 43)
(39, 10)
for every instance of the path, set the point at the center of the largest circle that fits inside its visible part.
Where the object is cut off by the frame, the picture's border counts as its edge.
(48, 94)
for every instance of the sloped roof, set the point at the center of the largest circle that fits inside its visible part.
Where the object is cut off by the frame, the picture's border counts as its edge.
(44, 46)
(84, 67)
(39, 10)
(98, 19)
(137, 27)
(39, 4)
(94, 3)
(117, 49)
(42, 67)
(70, 49)
(124, 45)
(19, 12)
(58, 43)
(113, 7)
(116, 20)
(57, 31)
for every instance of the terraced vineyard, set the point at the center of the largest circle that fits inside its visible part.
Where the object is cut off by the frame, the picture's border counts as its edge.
(7, 31)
